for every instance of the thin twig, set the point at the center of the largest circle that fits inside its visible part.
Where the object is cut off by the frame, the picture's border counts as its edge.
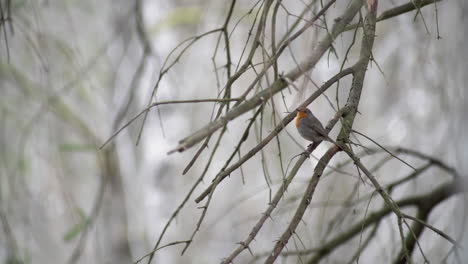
(162, 103)
(161, 247)
(436, 230)
(401, 9)
(385, 149)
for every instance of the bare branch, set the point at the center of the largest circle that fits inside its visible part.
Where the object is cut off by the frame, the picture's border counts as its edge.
(436, 230)
(163, 103)
(401, 9)
(161, 247)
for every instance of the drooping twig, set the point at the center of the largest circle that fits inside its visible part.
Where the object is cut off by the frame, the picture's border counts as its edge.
(401, 9)
(163, 103)
(161, 247)
(384, 149)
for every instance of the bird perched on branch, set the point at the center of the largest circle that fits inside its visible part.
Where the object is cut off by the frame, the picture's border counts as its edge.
(309, 126)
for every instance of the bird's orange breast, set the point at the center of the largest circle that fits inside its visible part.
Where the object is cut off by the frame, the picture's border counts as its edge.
(299, 116)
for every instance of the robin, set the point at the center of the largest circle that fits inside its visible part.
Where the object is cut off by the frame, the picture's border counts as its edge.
(309, 126)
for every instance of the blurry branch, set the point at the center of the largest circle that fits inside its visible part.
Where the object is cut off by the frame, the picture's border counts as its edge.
(462, 226)
(61, 109)
(54, 101)
(163, 103)
(107, 166)
(104, 161)
(396, 11)
(11, 247)
(109, 155)
(224, 173)
(141, 29)
(147, 51)
(83, 71)
(278, 85)
(429, 200)
(5, 17)
(65, 113)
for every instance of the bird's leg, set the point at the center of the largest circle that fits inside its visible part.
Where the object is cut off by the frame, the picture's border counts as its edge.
(309, 149)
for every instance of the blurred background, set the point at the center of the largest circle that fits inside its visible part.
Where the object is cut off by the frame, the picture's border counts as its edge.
(73, 72)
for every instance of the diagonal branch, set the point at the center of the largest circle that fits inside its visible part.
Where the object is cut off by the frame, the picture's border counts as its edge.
(306, 199)
(401, 9)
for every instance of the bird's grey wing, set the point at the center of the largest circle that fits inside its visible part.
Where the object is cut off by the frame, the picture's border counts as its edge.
(318, 127)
